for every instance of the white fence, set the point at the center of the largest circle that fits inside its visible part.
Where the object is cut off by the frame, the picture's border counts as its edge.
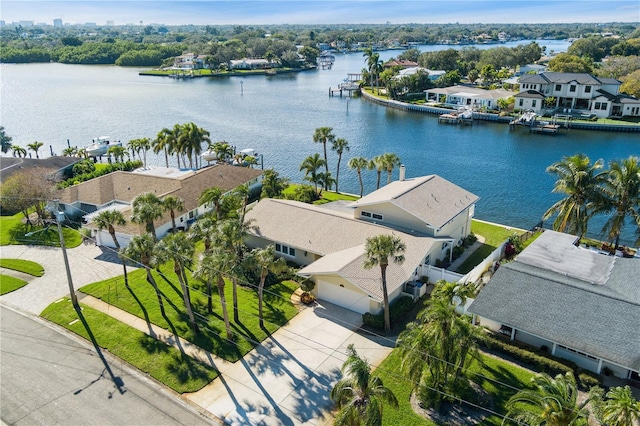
(487, 264)
(436, 274)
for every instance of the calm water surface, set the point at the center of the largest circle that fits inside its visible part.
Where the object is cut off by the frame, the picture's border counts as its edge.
(277, 116)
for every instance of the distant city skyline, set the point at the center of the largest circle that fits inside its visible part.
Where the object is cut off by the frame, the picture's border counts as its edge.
(268, 12)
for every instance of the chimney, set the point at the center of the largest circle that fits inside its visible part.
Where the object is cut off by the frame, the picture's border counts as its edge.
(402, 172)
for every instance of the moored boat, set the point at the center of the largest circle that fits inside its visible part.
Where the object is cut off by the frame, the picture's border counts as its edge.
(100, 146)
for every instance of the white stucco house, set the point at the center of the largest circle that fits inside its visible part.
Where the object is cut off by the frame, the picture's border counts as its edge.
(577, 93)
(580, 304)
(252, 64)
(474, 97)
(429, 214)
(117, 191)
(189, 61)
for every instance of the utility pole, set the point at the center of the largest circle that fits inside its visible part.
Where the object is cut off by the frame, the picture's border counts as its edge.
(72, 292)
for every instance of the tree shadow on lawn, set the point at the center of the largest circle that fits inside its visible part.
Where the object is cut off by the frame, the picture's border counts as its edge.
(169, 282)
(186, 368)
(42, 236)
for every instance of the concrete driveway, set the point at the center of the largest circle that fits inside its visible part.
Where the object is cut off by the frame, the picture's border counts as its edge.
(287, 379)
(88, 264)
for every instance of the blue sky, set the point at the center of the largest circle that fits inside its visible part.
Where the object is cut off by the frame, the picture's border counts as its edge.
(261, 12)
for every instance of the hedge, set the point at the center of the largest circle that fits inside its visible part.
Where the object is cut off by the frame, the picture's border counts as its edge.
(114, 167)
(396, 310)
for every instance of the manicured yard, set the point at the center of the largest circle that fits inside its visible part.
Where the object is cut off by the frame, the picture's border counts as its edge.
(141, 300)
(325, 196)
(26, 266)
(9, 284)
(488, 368)
(12, 231)
(162, 362)
(494, 236)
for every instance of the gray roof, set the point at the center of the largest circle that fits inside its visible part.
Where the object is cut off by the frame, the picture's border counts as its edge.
(432, 199)
(10, 165)
(547, 296)
(566, 77)
(534, 94)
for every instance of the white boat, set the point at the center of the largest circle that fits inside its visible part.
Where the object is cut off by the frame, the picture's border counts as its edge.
(209, 155)
(100, 146)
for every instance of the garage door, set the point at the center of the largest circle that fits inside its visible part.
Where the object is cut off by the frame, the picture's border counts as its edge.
(341, 296)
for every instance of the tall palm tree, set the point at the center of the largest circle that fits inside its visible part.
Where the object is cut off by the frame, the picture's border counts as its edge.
(147, 207)
(71, 151)
(141, 250)
(223, 150)
(106, 219)
(242, 192)
(377, 164)
(390, 161)
(578, 180)
(368, 56)
(214, 196)
(266, 261)
(378, 251)
(18, 151)
(311, 166)
(220, 263)
(203, 230)
(359, 396)
(173, 204)
(179, 249)
(359, 164)
(621, 196)
(324, 135)
(35, 147)
(5, 141)
(118, 152)
(553, 402)
(620, 408)
(192, 137)
(165, 142)
(273, 184)
(140, 145)
(339, 145)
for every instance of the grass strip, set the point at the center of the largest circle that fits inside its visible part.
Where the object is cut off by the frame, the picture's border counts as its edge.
(20, 265)
(13, 231)
(493, 234)
(9, 284)
(162, 362)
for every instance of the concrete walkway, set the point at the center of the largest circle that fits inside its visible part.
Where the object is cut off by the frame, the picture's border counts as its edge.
(468, 252)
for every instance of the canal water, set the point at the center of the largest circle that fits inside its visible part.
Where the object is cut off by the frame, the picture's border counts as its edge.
(277, 115)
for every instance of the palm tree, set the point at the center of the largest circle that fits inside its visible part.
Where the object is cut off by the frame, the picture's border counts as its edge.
(266, 261)
(339, 145)
(141, 250)
(71, 151)
(273, 184)
(5, 141)
(192, 138)
(106, 219)
(359, 396)
(118, 152)
(578, 181)
(242, 192)
(220, 263)
(147, 207)
(323, 135)
(203, 229)
(377, 164)
(223, 150)
(620, 408)
(18, 151)
(179, 249)
(621, 196)
(553, 402)
(164, 141)
(35, 147)
(390, 161)
(368, 56)
(378, 250)
(212, 195)
(311, 165)
(359, 163)
(137, 145)
(173, 204)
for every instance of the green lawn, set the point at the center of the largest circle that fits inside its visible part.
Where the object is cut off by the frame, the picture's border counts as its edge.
(12, 231)
(482, 372)
(142, 302)
(162, 362)
(494, 236)
(26, 266)
(326, 196)
(9, 284)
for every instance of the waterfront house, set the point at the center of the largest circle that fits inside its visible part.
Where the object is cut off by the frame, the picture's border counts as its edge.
(402, 63)
(252, 64)
(189, 61)
(531, 69)
(578, 303)
(474, 97)
(429, 214)
(579, 94)
(117, 190)
(433, 74)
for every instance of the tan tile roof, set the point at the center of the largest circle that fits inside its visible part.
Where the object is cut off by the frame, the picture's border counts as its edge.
(432, 199)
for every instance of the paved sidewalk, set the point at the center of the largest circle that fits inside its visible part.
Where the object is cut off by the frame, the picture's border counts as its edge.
(88, 264)
(468, 252)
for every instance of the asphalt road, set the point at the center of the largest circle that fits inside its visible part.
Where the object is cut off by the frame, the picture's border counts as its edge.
(51, 378)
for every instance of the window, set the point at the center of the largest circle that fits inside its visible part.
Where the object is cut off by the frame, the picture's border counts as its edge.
(521, 102)
(533, 103)
(281, 248)
(558, 87)
(577, 352)
(597, 105)
(377, 216)
(604, 106)
(427, 260)
(278, 247)
(587, 89)
(371, 215)
(365, 214)
(190, 215)
(572, 88)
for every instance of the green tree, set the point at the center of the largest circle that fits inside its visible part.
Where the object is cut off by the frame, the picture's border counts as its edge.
(378, 164)
(203, 230)
(214, 196)
(359, 396)
(324, 135)
(221, 263)
(35, 147)
(5, 141)
(391, 161)
(621, 196)
(565, 62)
(266, 261)
(273, 184)
(140, 145)
(378, 251)
(141, 250)
(173, 204)
(118, 152)
(191, 138)
(18, 151)
(165, 142)
(223, 151)
(311, 166)
(147, 208)
(552, 402)
(179, 249)
(619, 409)
(359, 163)
(631, 84)
(578, 180)
(339, 145)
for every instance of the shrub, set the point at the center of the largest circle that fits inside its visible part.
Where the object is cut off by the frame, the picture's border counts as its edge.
(77, 178)
(587, 380)
(457, 251)
(396, 311)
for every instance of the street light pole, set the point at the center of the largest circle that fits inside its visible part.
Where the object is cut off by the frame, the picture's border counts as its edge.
(72, 292)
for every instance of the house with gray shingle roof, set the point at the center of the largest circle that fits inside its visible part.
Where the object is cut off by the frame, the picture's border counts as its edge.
(117, 190)
(580, 304)
(429, 214)
(576, 93)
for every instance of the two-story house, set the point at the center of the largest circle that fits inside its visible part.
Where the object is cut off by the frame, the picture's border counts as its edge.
(575, 93)
(429, 214)
(189, 61)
